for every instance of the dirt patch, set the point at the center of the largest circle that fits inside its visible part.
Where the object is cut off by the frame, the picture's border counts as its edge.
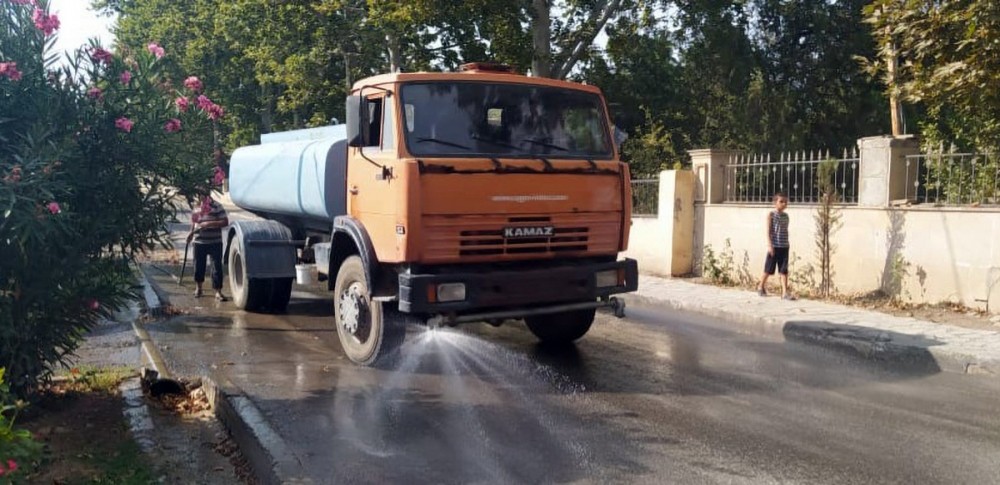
(83, 421)
(86, 439)
(191, 445)
(953, 314)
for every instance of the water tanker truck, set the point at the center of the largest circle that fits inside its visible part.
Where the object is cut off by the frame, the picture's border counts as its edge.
(478, 195)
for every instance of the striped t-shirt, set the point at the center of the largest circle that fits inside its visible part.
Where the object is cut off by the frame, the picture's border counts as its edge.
(209, 212)
(779, 229)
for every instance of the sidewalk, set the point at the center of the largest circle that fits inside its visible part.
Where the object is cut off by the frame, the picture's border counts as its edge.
(874, 335)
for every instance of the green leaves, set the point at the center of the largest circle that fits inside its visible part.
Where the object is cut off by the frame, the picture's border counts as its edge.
(949, 64)
(82, 192)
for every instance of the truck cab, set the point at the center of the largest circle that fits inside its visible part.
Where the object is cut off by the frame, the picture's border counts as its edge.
(479, 195)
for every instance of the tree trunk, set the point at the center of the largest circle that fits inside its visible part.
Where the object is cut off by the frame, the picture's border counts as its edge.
(395, 56)
(266, 113)
(541, 61)
(895, 107)
(348, 78)
(588, 31)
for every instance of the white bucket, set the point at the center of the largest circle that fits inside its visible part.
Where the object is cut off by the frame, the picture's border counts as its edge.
(304, 273)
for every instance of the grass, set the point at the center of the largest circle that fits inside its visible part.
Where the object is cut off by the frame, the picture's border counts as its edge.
(80, 419)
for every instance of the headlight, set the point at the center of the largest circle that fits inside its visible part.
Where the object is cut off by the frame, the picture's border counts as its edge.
(450, 292)
(607, 278)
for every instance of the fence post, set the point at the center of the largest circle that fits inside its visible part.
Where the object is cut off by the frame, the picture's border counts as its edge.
(882, 176)
(676, 214)
(709, 166)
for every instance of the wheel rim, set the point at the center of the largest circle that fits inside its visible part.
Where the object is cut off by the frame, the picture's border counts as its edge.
(237, 270)
(355, 313)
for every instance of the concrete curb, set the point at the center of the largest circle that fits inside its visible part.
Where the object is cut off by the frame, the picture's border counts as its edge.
(156, 299)
(265, 450)
(903, 352)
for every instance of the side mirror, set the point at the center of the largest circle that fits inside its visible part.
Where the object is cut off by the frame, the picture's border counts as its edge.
(357, 121)
(620, 137)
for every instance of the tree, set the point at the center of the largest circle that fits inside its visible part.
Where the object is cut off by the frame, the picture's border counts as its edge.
(93, 157)
(949, 62)
(560, 45)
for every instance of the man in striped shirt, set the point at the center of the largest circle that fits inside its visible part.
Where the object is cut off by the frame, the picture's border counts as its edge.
(207, 221)
(777, 247)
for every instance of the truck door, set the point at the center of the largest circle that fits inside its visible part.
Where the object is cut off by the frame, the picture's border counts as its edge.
(372, 196)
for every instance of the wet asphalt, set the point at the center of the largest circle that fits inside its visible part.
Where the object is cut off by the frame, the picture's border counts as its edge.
(658, 397)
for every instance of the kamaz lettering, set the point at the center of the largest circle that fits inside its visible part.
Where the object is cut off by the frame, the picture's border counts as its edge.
(514, 232)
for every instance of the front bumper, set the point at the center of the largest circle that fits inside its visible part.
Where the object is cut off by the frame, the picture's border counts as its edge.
(522, 288)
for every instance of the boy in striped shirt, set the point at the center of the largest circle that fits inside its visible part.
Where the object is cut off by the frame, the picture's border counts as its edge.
(777, 247)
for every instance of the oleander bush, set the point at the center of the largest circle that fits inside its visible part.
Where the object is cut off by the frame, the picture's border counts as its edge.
(96, 151)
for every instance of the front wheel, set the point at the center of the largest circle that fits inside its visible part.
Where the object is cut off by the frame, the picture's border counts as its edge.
(563, 327)
(370, 334)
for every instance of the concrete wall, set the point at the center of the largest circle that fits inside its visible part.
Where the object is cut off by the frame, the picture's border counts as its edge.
(662, 244)
(921, 254)
(649, 244)
(945, 254)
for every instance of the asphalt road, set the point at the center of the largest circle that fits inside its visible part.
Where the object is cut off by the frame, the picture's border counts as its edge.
(659, 397)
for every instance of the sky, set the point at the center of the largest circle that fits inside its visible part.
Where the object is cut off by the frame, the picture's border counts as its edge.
(77, 23)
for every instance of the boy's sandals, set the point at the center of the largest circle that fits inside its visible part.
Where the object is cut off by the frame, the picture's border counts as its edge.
(788, 296)
(761, 291)
(220, 297)
(197, 293)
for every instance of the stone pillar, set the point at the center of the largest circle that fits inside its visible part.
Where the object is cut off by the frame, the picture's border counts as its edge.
(676, 213)
(883, 176)
(709, 166)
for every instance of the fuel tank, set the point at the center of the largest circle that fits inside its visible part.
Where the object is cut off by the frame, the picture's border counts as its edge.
(299, 174)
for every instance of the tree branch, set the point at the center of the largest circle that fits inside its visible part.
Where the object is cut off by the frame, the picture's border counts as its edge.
(589, 31)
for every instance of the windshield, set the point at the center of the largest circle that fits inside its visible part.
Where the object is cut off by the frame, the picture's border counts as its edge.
(503, 120)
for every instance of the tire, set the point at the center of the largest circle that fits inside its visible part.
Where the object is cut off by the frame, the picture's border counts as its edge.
(370, 332)
(561, 328)
(250, 294)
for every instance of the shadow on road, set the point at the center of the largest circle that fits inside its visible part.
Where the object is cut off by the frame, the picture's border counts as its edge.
(907, 354)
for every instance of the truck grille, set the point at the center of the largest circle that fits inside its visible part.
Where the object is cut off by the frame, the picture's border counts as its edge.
(483, 237)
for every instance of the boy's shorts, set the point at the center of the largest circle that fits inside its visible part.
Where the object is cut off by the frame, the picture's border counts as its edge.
(779, 260)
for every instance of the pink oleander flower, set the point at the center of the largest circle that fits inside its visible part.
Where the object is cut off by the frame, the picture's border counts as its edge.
(53, 207)
(48, 24)
(9, 69)
(14, 176)
(203, 102)
(100, 55)
(156, 50)
(93, 304)
(182, 104)
(125, 77)
(95, 93)
(219, 177)
(124, 124)
(215, 112)
(172, 125)
(11, 466)
(194, 84)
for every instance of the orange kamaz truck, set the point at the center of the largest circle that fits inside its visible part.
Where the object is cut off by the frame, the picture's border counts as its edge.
(478, 195)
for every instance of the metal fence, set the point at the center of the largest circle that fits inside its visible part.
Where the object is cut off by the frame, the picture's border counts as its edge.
(645, 197)
(752, 178)
(947, 178)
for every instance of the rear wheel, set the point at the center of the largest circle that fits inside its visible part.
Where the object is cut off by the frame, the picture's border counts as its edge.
(370, 332)
(248, 294)
(563, 327)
